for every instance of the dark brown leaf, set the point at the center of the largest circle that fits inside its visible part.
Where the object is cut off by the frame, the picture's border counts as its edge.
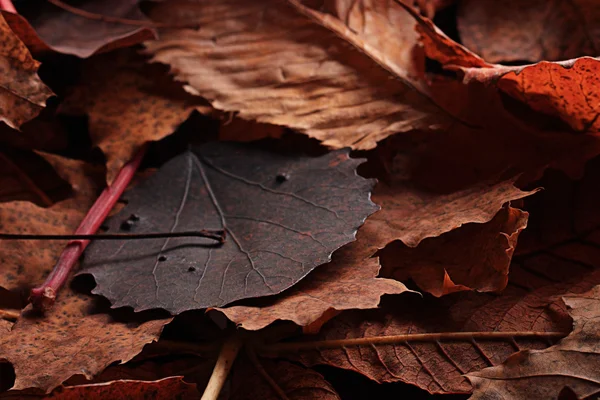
(283, 215)
(298, 383)
(65, 32)
(530, 30)
(164, 389)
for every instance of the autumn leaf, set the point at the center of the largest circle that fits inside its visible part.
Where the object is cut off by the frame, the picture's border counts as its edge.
(473, 257)
(23, 94)
(295, 212)
(161, 389)
(300, 74)
(128, 104)
(26, 263)
(348, 282)
(88, 342)
(67, 32)
(533, 31)
(572, 363)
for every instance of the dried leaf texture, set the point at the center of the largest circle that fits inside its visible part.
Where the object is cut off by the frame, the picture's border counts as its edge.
(573, 363)
(411, 214)
(531, 30)
(128, 104)
(26, 263)
(269, 63)
(529, 303)
(164, 389)
(23, 93)
(298, 383)
(284, 216)
(474, 257)
(348, 282)
(549, 88)
(559, 256)
(70, 340)
(65, 32)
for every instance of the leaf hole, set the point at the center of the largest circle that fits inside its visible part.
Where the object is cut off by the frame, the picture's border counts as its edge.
(282, 177)
(162, 258)
(191, 269)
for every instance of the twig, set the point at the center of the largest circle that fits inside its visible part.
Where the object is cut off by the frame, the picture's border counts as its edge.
(9, 315)
(7, 5)
(227, 356)
(24, 178)
(261, 370)
(278, 348)
(218, 235)
(117, 20)
(43, 297)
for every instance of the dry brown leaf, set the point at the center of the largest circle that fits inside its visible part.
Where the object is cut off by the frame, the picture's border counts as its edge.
(129, 103)
(529, 303)
(47, 26)
(23, 93)
(298, 383)
(272, 64)
(348, 282)
(26, 263)
(163, 389)
(69, 340)
(531, 30)
(573, 363)
(474, 257)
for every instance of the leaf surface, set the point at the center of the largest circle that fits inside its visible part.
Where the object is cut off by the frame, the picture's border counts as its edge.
(348, 282)
(66, 32)
(23, 93)
(70, 340)
(533, 30)
(573, 363)
(283, 216)
(271, 63)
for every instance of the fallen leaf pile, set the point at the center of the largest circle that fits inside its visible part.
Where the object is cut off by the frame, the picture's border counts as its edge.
(314, 199)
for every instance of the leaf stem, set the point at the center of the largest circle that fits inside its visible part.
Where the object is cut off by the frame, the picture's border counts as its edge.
(7, 5)
(229, 351)
(218, 235)
(278, 348)
(43, 296)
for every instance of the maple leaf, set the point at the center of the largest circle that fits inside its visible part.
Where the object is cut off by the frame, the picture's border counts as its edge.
(306, 77)
(23, 94)
(128, 104)
(348, 282)
(295, 212)
(47, 26)
(517, 31)
(573, 363)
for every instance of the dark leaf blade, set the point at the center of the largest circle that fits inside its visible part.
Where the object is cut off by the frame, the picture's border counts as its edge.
(283, 215)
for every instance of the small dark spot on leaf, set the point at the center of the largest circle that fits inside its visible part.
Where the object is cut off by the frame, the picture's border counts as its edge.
(162, 258)
(282, 177)
(191, 269)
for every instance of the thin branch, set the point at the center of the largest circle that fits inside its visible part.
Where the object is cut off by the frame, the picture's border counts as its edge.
(26, 180)
(43, 297)
(9, 315)
(278, 348)
(261, 370)
(117, 20)
(218, 235)
(227, 356)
